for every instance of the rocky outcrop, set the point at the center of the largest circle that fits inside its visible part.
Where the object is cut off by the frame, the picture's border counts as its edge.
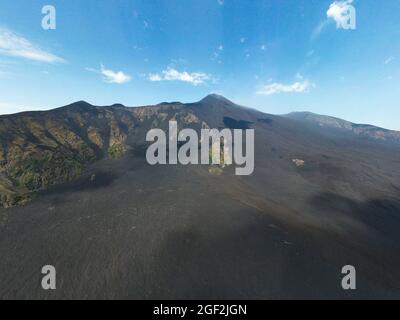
(40, 149)
(46, 148)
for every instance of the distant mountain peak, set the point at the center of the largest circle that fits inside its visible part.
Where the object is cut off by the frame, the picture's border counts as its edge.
(216, 98)
(82, 103)
(118, 105)
(78, 104)
(165, 103)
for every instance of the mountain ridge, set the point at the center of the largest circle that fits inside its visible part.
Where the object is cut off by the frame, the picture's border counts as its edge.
(362, 130)
(42, 148)
(215, 99)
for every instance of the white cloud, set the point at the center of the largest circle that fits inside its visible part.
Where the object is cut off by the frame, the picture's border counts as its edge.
(319, 29)
(171, 74)
(155, 77)
(111, 76)
(389, 60)
(337, 11)
(114, 77)
(297, 87)
(242, 40)
(220, 2)
(221, 48)
(12, 44)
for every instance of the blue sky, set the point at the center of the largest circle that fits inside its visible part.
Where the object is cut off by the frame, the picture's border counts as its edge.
(274, 55)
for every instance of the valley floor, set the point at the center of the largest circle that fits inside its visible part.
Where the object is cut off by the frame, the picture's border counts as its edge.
(130, 231)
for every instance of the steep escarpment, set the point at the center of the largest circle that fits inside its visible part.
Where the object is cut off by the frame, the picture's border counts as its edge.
(44, 148)
(40, 149)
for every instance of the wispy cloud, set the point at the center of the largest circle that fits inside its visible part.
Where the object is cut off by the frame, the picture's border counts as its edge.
(171, 74)
(220, 2)
(319, 29)
(216, 54)
(111, 76)
(389, 60)
(12, 44)
(274, 88)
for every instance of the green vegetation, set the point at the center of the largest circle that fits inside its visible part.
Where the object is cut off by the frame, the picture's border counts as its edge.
(41, 170)
(13, 199)
(116, 151)
(38, 151)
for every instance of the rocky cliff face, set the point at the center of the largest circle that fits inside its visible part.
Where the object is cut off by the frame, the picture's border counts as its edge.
(40, 149)
(44, 148)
